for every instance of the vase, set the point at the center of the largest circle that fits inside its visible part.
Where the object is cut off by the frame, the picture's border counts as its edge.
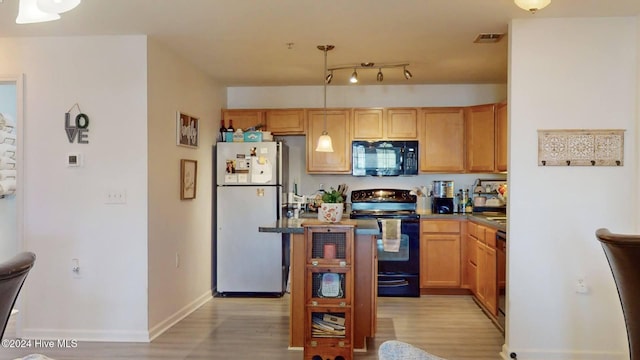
(330, 212)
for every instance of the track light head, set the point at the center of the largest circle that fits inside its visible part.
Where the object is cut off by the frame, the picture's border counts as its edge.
(380, 76)
(407, 74)
(329, 78)
(354, 77)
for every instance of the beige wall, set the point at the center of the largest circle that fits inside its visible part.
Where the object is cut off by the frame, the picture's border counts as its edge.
(178, 228)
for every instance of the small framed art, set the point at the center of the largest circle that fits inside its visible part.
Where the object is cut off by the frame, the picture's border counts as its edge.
(188, 179)
(186, 130)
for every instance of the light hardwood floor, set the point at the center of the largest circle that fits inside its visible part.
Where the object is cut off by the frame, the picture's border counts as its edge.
(452, 327)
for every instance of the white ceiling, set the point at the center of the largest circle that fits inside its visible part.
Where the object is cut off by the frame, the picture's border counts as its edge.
(244, 42)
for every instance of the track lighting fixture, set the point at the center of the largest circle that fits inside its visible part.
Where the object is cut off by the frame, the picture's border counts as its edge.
(354, 77)
(407, 74)
(329, 77)
(366, 66)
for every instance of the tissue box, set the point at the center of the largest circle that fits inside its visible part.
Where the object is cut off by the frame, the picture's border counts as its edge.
(252, 136)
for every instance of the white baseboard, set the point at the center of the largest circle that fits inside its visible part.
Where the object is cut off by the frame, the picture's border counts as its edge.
(538, 354)
(164, 325)
(117, 336)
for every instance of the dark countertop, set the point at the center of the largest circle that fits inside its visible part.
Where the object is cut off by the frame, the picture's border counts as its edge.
(294, 226)
(370, 227)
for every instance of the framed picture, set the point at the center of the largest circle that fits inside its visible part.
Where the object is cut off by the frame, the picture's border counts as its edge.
(186, 130)
(188, 179)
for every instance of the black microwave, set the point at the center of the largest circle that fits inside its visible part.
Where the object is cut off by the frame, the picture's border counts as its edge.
(384, 158)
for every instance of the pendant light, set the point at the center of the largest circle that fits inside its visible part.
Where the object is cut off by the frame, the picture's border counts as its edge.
(57, 6)
(29, 12)
(532, 5)
(324, 142)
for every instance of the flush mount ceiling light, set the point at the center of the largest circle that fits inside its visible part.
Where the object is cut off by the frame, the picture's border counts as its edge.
(35, 11)
(368, 66)
(532, 5)
(324, 142)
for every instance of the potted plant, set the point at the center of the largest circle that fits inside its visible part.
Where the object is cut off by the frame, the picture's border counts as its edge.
(332, 206)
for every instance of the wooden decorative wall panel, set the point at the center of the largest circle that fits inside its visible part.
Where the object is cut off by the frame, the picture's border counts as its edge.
(580, 147)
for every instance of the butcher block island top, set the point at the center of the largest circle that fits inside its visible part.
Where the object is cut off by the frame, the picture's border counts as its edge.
(361, 290)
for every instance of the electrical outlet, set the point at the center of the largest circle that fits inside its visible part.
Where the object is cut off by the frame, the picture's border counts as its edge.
(116, 196)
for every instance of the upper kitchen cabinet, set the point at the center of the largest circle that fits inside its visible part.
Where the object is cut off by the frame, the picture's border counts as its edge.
(385, 124)
(501, 137)
(285, 121)
(441, 137)
(480, 134)
(243, 119)
(338, 127)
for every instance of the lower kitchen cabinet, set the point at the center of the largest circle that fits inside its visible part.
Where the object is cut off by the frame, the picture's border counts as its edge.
(484, 253)
(440, 254)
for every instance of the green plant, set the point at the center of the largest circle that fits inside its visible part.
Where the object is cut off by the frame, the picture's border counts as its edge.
(332, 196)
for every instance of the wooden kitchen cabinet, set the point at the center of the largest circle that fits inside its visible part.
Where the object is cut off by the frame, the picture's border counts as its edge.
(501, 137)
(285, 121)
(338, 127)
(480, 137)
(402, 124)
(243, 119)
(368, 124)
(485, 287)
(385, 124)
(441, 134)
(440, 253)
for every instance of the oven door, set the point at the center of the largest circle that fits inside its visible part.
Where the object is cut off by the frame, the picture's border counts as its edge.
(399, 272)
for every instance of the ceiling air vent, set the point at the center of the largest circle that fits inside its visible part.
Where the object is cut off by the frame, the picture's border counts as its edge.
(484, 38)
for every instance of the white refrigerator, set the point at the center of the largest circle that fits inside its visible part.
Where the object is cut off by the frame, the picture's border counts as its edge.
(250, 181)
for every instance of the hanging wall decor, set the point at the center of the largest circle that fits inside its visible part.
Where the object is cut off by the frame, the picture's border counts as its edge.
(186, 130)
(188, 179)
(580, 147)
(79, 130)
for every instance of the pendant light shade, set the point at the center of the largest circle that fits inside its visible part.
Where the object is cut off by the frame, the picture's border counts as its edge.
(324, 142)
(532, 5)
(354, 77)
(57, 6)
(29, 12)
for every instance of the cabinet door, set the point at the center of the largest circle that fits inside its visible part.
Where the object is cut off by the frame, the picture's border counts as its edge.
(286, 121)
(243, 119)
(337, 125)
(442, 140)
(440, 264)
(481, 269)
(480, 135)
(501, 137)
(402, 124)
(490, 281)
(367, 124)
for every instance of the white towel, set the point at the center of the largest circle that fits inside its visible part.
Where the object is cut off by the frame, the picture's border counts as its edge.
(8, 150)
(7, 187)
(391, 235)
(7, 163)
(8, 174)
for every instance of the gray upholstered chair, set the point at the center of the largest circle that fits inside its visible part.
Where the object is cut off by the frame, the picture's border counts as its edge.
(398, 350)
(623, 254)
(13, 273)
